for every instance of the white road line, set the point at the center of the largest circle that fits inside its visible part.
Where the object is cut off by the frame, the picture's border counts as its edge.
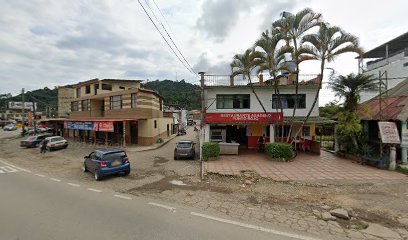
(73, 184)
(171, 209)
(8, 169)
(94, 190)
(55, 180)
(1, 171)
(123, 197)
(40, 175)
(11, 165)
(254, 227)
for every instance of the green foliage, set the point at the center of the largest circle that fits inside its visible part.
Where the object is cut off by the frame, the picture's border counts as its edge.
(402, 170)
(185, 94)
(349, 130)
(330, 110)
(210, 149)
(279, 150)
(325, 138)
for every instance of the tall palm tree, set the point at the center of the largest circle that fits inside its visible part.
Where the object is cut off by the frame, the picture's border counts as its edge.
(271, 58)
(244, 64)
(292, 27)
(350, 87)
(325, 45)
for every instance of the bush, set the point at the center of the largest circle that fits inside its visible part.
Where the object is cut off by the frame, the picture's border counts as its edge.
(210, 149)
(279, 150)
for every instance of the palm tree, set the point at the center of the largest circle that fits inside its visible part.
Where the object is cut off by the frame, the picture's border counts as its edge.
(244, 64)
(350, 87)
(325, 45)
(271, 58)
(292, 27)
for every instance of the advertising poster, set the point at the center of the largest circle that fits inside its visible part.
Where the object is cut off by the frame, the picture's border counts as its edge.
(389, 132)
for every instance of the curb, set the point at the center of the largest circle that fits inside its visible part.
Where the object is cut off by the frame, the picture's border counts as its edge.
(158, 146)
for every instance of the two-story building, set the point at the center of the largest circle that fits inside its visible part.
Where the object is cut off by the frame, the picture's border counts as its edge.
(116, 111)
(233, 113)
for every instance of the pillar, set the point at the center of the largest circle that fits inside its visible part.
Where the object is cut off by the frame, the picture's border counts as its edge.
(207, 133)
(404, 147)
(271, 133)
(261, 82)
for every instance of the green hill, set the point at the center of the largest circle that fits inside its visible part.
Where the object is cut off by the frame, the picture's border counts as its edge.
(181, 93)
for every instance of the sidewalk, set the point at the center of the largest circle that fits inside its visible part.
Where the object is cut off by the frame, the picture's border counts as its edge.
(138, 148)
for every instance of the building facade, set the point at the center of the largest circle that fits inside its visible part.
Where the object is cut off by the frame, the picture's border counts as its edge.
(116, 111)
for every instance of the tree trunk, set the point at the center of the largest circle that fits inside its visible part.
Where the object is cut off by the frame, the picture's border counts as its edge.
(296, 88)
(257, 98)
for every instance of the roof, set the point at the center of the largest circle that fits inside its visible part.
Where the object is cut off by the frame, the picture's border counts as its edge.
(95, 80)
(394, 46)
(394, 105)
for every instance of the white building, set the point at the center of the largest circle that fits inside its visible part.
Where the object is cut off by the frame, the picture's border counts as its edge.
(234, 115)
(390, 59)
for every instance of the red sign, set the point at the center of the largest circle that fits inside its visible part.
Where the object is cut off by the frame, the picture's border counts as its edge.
(243, 117)
(104, 126)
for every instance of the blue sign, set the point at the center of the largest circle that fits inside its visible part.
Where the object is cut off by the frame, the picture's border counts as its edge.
(80, 125)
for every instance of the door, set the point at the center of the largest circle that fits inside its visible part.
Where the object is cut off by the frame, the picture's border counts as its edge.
(133, 133)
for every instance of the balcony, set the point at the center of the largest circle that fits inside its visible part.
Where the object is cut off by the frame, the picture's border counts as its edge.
(289, 80)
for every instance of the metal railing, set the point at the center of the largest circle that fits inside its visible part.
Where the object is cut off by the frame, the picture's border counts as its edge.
(260, 80)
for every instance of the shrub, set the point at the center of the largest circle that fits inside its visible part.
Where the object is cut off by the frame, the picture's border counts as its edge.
(279, 150)
(210, 149)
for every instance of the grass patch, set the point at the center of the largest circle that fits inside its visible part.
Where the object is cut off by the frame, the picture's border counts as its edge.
(402, 170)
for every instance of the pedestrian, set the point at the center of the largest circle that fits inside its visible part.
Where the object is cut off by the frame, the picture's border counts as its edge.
(261, 143)
(43, 146)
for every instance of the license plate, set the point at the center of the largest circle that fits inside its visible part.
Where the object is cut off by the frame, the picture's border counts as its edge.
(184, 154)
(115, 163)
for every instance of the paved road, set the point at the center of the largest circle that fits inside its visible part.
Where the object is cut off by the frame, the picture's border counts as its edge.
(34, 206)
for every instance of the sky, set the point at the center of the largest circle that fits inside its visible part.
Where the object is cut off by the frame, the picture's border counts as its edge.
(54, 43)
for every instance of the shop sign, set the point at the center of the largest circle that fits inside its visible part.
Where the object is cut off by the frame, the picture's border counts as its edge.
(79, 125)
(243, 117)
(105, 126)
(389, 132)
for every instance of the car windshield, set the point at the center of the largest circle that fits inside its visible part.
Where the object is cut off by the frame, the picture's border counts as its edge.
(184, 145)
(57, 139)
(114, 155)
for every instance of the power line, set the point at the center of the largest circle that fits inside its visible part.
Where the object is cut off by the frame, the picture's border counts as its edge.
(164, 38)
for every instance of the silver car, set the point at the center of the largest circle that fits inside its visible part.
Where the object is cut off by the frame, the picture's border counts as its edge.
(184, 149)
(10, 127)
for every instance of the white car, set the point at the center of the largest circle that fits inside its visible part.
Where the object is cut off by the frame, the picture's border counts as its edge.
(56, 142)
(10, 127)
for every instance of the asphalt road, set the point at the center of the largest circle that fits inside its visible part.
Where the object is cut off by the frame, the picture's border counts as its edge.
(35, 206)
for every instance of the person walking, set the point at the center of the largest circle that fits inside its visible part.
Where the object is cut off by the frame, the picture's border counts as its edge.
(43, 146)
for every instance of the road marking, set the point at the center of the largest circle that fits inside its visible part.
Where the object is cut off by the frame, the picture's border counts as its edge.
(55, 180)
(11, 165)
(7, 169)
(73, 184)
(123, 197)
(94, 190)
(40, 175)
(1, 171)
(171, 209)
(254, 227)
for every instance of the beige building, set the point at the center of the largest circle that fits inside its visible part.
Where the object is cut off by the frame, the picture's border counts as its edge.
(65, 95)
(116, 111)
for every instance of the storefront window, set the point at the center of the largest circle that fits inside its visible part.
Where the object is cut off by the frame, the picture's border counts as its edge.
(233, 101)
(278, 131)
(116, 102)
(85, 105)
(288, 101)
(74, 106)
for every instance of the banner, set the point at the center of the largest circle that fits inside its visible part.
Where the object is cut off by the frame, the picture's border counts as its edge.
(389, 132)
(105, 126)
(243, 117)
(79, 125)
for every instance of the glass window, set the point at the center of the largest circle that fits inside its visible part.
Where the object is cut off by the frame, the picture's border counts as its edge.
(87, 89)
(306, 131)
(278, 131)
(107, 87)
(184, 145)
(74, 106)
(288, 101)
(134, 100)
(114, 156)
(116, 102)
(78, 92)
(85, 105)
(155, 124)
(233, 101)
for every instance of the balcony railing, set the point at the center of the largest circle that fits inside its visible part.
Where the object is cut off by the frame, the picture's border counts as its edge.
(260, 80)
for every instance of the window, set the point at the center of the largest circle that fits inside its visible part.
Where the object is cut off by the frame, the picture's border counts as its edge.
(306, 131)
(116, 102)
(87, 89)
(288, 101)
(74, 106)
(233, 101)
(96, 87)
(278, 131)
(161, 104)
(78, 92)
(134, 100)
(155, 123)
(405, 64)
(107, 87)
(85, 105)
(123, 88)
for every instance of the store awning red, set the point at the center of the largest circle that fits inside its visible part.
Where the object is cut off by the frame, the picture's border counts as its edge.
(102, 119)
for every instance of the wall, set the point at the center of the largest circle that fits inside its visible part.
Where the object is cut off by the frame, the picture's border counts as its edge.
(65, 96)
(265, 95)
(148, 135)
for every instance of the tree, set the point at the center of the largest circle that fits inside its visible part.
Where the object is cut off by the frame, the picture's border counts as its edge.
(271, 57)
(350, 87)
(292, 27)
(325, 45)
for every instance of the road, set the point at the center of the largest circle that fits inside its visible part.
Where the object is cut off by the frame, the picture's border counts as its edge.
(35, 206)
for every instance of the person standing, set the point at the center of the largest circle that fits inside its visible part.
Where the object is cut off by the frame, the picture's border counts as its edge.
(43, 146)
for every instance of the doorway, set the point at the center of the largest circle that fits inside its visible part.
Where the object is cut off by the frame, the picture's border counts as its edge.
(133, 132)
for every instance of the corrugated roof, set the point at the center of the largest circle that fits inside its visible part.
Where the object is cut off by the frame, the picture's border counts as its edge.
(395, 45)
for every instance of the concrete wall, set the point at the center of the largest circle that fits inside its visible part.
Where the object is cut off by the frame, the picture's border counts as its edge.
(65, 96)
(148, 134)
(265, 95)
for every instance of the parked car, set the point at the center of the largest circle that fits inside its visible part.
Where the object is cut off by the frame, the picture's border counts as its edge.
(181, 132)
(184, 149)
(106, 162)
(33, 141)
(57, 142)
(10, 127)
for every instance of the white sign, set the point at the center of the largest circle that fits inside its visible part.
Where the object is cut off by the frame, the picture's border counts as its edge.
(389, 132)
(19, 105)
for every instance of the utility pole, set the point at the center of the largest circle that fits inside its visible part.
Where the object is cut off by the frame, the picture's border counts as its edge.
(34, 121)
(23, 111)
(202, 123)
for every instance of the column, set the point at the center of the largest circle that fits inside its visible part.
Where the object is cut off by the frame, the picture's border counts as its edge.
(207, 133)
(404, 147)
(271, 133)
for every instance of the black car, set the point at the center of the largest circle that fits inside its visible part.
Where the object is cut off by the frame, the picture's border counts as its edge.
(33, 141)
(106, 162)
(184, 149)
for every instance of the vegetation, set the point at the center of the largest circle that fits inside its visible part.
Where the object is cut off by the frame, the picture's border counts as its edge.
(210, 149)
(181, 93)
(279, 150)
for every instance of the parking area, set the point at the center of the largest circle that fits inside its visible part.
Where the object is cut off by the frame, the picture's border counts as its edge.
(305, 167)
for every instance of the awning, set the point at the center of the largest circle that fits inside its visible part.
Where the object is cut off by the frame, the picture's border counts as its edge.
(102, 119)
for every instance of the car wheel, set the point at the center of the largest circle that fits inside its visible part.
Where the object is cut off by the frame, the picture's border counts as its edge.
(175, 157)
(65, 146)
(97, 175)
(127, 172)
(84, 168)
